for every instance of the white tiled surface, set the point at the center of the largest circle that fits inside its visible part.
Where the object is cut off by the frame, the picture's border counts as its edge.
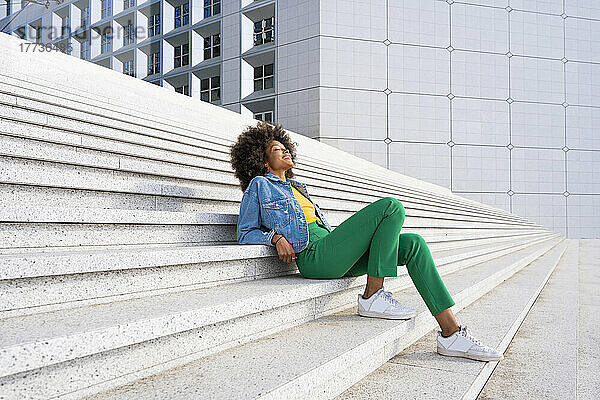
(410, 22)
(538, 125)
(419, 118)
(477, 74)
(418, 69)
(480, 121)
(535, 34)
(583, 128)
(536, 79)
(480, 168)
(544, 209)
(540, 6)
(481, 97)
(538, 170)
(426, 161)
(479, 28)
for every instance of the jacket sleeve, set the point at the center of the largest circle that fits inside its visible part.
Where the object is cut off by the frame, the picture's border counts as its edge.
(249, 229)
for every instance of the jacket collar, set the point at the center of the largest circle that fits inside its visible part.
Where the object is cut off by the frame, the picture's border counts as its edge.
(275, 178)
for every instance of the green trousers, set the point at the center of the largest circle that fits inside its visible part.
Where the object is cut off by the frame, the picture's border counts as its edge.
(370, 242)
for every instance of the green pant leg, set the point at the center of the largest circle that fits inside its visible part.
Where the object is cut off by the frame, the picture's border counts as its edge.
(374, 228)
(414, 252)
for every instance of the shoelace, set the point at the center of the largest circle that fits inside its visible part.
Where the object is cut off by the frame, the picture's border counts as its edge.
(466, 334)
(388, 296)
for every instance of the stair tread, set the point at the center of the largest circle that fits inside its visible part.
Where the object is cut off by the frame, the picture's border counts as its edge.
(426, 374)
(260, 366)
(167, 313)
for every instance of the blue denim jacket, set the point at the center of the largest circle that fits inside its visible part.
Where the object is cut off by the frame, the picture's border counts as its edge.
(269, 207)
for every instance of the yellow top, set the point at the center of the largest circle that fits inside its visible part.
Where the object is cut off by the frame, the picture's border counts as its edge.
(307, 207)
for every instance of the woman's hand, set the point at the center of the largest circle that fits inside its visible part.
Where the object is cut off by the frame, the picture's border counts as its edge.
(284, 249)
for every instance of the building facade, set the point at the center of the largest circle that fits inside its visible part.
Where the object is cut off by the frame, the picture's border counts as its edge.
(498, 100)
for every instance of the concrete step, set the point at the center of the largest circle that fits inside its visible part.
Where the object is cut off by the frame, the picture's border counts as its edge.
(419, 372)
(138, 97)
(55, 158)
(554, 353)
(103, 340)
(40, 226)
(317, 359)
(36, 282)
(43, 133)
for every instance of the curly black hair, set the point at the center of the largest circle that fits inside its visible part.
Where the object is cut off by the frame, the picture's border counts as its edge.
(249, 154)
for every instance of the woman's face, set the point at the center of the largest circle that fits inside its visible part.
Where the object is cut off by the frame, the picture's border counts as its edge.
(278, 156)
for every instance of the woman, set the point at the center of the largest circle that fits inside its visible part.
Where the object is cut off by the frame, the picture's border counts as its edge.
(276, 210)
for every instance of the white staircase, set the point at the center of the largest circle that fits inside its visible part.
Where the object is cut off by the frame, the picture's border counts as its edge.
(120, 273)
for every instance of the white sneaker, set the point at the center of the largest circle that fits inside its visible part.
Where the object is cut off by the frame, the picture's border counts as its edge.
(382, 305)
(462, 344)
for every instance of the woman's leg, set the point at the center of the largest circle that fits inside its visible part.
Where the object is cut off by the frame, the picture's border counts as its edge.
(414, 252)
(370, 234)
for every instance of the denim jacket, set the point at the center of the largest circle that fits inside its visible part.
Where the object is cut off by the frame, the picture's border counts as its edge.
(269, 207)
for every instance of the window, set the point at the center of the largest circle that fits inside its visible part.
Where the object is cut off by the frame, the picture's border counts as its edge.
(38, 34)
(85, 17)
(263, 77)
(182, 55)
(264, 116)
(84, 52)
(128, 3)
(66, 27)
(212, 7)
(185, 89)
(210, 89)
(154, 25)
(106, 41)
(106, 8)
(128, 68)
(182, 15)
(8, 7)
(212, 46)
(263, 31)
(154, 63)
(128, 34)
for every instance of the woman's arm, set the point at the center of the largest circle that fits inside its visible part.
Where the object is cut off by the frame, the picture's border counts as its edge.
(248, 225)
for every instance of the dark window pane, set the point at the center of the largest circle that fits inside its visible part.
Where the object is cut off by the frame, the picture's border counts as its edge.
(215, 81)
(204, 96)
(186, 60)
(257, 72)
(217, 8)
(186, 47)
(217, 51)
(215, 94)
(217, 39)
(204, 84)
(206, 54)
(268, 69)
(268, 83)
(207, 42)
(177, 51)
(257, 85)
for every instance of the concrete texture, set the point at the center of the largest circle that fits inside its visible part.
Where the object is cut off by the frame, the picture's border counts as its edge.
(554, 355)
(426, 374)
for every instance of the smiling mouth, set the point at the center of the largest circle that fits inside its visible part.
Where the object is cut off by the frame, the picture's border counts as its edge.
(286, 157)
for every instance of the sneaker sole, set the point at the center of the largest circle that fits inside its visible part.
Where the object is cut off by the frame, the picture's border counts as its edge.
(454, 353)
(386, 316)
